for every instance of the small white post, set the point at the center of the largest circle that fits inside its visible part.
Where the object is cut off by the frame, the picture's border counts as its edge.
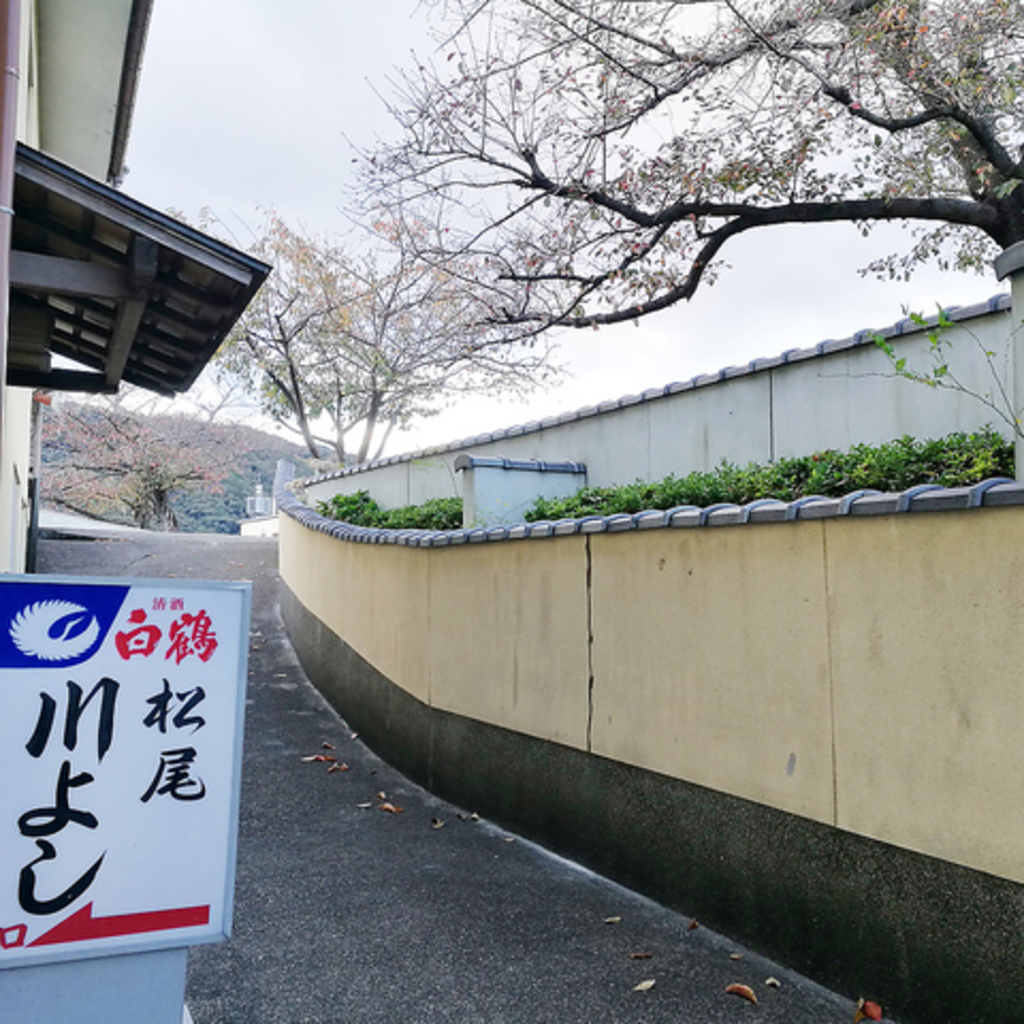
(497, 491)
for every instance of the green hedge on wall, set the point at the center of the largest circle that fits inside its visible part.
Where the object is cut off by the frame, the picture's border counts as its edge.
(952, 461)
(360, 509)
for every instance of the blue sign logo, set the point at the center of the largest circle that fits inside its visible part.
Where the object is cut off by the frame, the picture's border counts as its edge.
(55, 624)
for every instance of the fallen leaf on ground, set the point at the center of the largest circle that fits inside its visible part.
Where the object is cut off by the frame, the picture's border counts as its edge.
(640, 956)
(381, 795)
(354, 736)
(744, 991)
(693, 925)
(436, 823)
(867, 1010)
(735, 956)
(322, 758)
(327, 746)
(772, 982)
(390, 808)
(474, 816)
(340, 767)
(366, 806)
(644, 986)
(509, 839)
(612, 920)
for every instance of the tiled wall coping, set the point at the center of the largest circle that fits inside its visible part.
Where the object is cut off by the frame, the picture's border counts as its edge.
(992, 493)
(463, 462)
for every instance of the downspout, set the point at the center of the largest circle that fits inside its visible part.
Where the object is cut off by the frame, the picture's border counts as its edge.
(138, 27)
(10, 38)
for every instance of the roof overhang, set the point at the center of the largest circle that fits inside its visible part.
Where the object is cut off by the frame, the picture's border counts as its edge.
(119, 288)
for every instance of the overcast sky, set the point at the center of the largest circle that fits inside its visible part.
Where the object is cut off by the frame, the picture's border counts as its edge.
(253, 103)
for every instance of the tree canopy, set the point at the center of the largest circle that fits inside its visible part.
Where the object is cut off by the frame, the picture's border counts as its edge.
(599, 154)
(340, 344)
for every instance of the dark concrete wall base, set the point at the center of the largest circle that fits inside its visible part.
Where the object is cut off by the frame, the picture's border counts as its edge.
(932, 941)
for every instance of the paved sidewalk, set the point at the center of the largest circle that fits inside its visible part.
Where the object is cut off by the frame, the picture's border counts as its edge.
(346, 913)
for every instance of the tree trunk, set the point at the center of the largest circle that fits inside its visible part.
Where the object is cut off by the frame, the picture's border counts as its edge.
(371, 426)
(384, 439)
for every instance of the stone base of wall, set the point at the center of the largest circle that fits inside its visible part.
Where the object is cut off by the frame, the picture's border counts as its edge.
(928, 939)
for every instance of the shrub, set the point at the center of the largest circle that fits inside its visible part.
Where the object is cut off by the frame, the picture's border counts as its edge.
(360, 509)
(435, 514)
(953, 461)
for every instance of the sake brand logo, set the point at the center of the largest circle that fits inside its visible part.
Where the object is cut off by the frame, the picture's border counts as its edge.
(54, 631)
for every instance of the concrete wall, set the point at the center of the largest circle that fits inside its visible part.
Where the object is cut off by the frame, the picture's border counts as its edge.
(501, 491)
(263, 526)
(847, 688)
(744, 414)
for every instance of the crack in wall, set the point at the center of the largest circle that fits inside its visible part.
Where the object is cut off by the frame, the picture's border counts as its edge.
(830, 670)
(590, 646)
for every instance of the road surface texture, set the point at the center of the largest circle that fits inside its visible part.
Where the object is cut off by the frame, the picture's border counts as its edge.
(346, 913)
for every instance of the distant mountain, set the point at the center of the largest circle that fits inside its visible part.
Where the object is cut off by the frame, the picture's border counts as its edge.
(255, 458)
(157, 472)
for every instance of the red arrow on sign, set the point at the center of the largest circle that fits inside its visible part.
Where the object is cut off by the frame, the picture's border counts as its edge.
(81, 925)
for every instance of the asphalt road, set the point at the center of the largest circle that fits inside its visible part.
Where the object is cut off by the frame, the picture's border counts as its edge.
(345, 912)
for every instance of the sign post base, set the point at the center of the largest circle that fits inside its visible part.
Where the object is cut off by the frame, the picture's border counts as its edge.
(124, 989)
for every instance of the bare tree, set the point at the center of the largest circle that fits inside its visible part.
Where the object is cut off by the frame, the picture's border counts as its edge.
(336, 344)
(601, 153)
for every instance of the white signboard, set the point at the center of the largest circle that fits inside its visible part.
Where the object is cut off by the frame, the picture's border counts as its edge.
(121, 707)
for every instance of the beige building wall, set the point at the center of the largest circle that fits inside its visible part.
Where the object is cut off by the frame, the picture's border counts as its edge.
(377, 598)
(711, 660)
(16, 417)
(487, 631)
(508, 636)
(863, 672)
(927, 655)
